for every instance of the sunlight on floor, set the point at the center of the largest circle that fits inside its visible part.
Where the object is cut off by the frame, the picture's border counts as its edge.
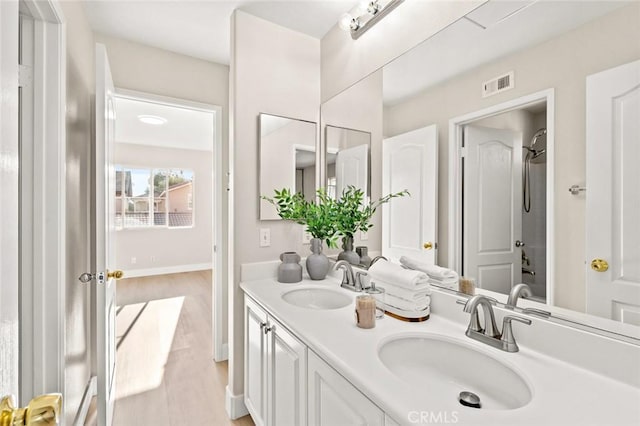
(146, 361)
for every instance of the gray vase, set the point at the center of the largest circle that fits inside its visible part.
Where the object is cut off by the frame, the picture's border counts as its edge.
(363, 252)
(317, 262)
(348, 254)
(290, 270)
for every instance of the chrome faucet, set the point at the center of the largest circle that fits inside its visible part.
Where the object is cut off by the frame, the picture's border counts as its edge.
(517, 291)
(489, 334)
(471, 307)
(349, 280)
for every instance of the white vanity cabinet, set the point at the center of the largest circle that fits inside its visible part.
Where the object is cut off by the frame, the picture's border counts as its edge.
(334, 401)
(275, 370)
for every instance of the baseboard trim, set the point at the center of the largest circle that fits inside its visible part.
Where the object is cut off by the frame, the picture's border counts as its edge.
(133, 273)
(89, 392)
(234, 405)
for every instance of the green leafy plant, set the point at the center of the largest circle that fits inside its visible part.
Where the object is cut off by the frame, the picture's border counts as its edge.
(320, 218)
(354, 214)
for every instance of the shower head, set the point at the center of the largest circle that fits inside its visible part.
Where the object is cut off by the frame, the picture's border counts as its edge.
(538, 145)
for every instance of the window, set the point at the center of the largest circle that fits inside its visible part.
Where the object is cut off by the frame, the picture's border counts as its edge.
(153, 197)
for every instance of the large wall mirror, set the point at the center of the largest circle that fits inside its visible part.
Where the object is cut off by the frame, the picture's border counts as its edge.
(510, 95)
(287, 159)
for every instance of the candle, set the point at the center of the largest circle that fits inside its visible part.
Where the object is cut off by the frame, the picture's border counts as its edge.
(365, 311)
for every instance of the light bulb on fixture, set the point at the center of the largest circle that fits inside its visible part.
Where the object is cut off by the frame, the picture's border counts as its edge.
(372, 7)
(348, 22)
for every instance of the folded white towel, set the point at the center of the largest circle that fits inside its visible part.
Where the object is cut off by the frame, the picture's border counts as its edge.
(434, 271)
(397, 275)
(418, 292)
(405, 305)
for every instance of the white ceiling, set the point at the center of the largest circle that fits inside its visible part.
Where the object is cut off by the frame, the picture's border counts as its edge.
(465, 45)
(202, 28)
(185, 128)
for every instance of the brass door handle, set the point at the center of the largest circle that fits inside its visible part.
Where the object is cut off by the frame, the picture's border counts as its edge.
(43, 410)
(599, 265)
(117, 274)
(428, 245)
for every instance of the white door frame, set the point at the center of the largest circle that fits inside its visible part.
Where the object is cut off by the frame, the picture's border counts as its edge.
(456, 125)
(42, 307)
(220, 348)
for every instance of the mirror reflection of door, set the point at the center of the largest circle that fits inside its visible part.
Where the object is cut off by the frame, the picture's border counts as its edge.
(347, 160)
(504, 200)
(613, 199)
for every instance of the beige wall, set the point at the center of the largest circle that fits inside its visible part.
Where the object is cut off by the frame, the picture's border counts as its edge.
(346, 61)
(562, 64)
(277, 71)
(360, 108)
(169, 247)
(80, 137)
(160, 72)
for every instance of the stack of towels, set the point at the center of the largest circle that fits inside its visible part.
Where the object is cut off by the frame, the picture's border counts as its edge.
(438, 275)
(408, 292)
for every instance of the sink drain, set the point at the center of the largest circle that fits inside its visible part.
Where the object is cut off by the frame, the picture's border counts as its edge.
(469, 399)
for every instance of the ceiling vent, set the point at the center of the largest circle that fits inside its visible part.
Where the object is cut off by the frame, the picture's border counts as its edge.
(498, 84)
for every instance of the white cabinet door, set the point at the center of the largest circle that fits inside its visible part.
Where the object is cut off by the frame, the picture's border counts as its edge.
(287, 378)
(409, 224)
(255, 361)
(492, 221)
(613, 199)
(333, 401)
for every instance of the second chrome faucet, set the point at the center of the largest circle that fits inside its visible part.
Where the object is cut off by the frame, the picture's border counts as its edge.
(489, 333)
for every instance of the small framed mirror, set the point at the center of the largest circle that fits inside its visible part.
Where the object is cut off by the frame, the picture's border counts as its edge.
(287, 159)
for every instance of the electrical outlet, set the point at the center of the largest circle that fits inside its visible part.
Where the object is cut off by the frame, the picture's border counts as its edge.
(265, 237)
(133, 260)
(306, 237)
(364, 236)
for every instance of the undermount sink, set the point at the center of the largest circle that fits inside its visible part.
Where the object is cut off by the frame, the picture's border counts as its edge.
(452, 367)
(316, 298)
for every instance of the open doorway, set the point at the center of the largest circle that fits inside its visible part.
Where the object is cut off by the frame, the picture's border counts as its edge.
(167, 219)
(502, 194)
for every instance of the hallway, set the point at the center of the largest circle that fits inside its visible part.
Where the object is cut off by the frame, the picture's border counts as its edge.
(165, 372)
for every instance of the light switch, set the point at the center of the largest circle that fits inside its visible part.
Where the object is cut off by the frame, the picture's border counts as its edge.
(265, 237)
(306, 237)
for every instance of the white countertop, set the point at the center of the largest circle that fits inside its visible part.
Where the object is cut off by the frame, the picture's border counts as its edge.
(563, 394)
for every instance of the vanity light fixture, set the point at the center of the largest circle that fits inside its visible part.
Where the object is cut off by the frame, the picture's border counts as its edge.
(152, 119)
(365, 16)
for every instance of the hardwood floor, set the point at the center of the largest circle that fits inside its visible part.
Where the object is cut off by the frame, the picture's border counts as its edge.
(165, 372)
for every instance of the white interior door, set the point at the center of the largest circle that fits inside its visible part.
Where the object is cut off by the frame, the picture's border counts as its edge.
(613, 195)
(9, 200)
(492, 213)
(105, 226)
(409, 224)
(352, 168)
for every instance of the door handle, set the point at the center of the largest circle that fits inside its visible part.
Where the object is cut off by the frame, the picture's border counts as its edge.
(599, 265)
(43, 410)
(519, 243)
(428, 245)
(100, 276)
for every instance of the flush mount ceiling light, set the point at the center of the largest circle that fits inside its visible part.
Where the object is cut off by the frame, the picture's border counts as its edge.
(152, 119)
(365, 16)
